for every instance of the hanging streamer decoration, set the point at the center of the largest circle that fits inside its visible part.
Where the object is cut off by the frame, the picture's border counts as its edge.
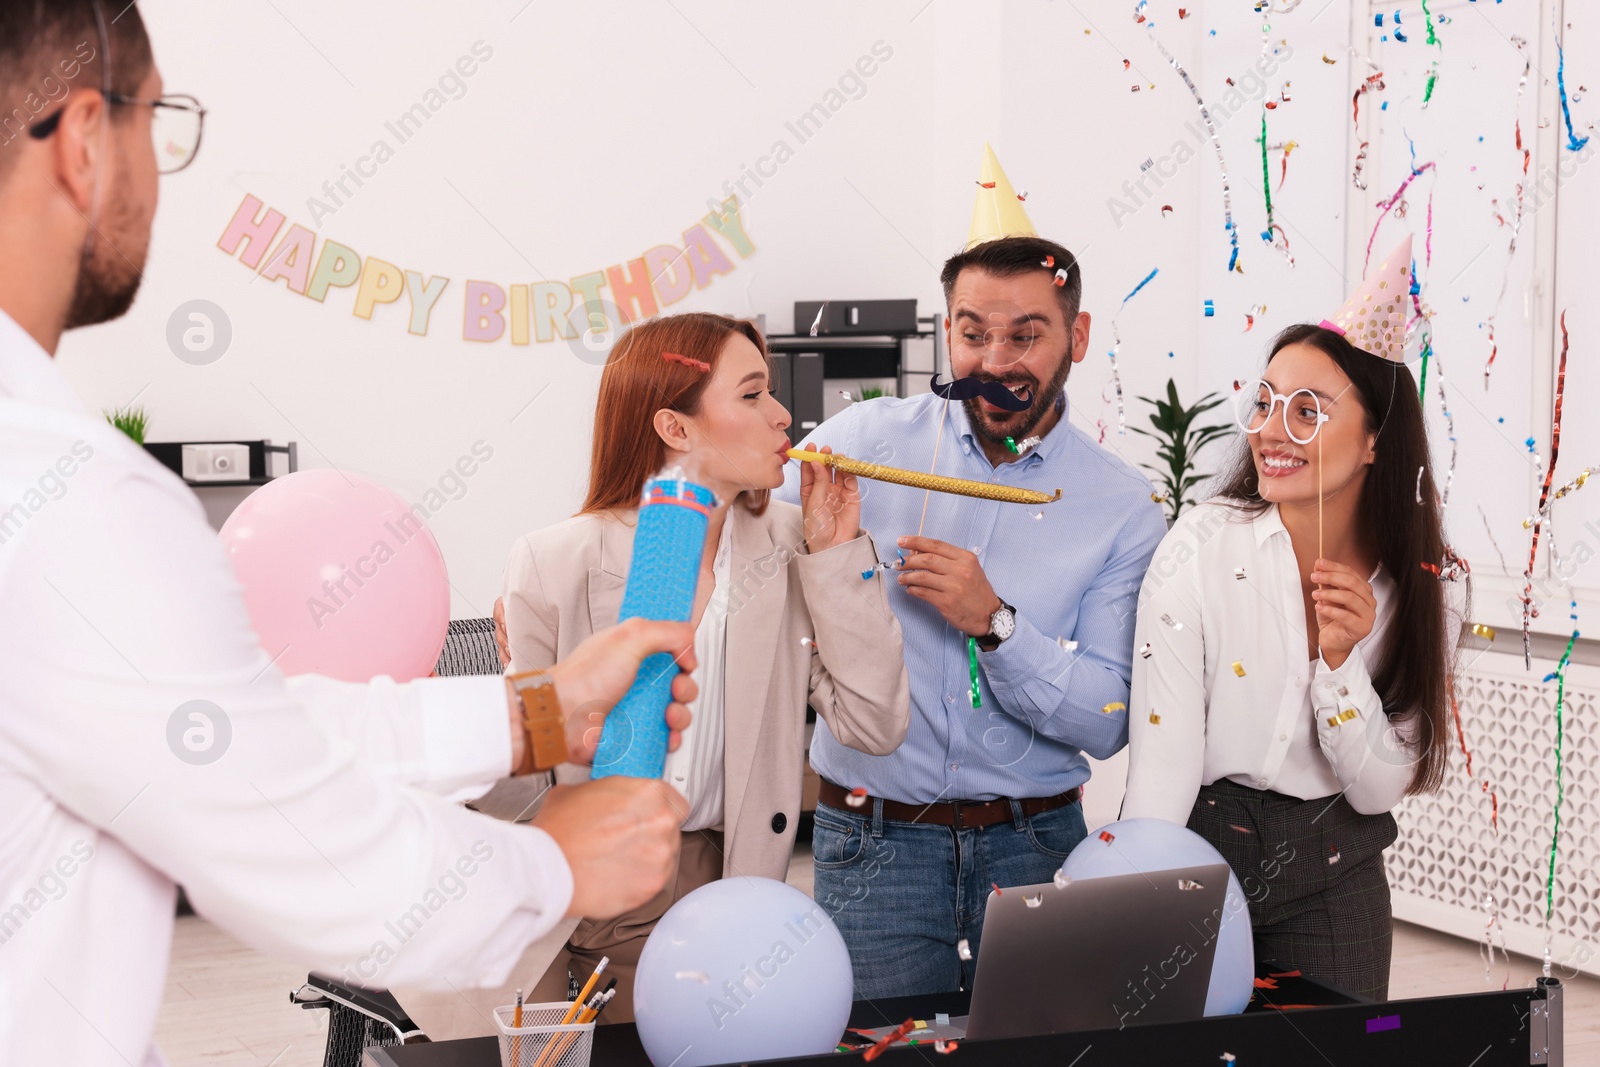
(1273, 234)
(1116, 346)
(1574, 142)
(1211, 130)
(1373, 84)
(1544, 497)
(1560, 676)
(1433, 68)
(1518, 209)
(1389, 205)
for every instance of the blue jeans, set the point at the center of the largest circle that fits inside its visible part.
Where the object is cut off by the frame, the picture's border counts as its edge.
(904, 894)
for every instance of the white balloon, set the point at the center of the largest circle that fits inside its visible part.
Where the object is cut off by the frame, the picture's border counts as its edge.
(742, 969)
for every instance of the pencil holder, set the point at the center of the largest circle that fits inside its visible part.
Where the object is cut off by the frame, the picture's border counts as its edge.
(662, 577)
(542, 1040)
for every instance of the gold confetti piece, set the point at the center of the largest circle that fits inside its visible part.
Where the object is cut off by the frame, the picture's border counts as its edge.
(1160, 498)
(1481, 630)
(1328, 61)
(1343, 717)
(1155, 720)
(1238, 667)
(917, 480)
(1114, 706)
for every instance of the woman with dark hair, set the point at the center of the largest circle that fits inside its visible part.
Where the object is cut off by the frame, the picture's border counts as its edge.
(813, 620)
(1296, 651)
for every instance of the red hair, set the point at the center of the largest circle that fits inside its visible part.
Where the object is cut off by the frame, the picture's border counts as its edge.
(650, 368)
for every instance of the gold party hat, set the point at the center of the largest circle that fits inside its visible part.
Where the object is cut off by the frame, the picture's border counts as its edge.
(997, 210)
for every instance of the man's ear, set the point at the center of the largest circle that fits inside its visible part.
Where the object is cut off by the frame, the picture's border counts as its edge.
(672, 428)
(1080, 336)
(77, 146)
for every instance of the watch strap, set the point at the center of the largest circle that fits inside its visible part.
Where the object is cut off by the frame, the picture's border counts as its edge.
(543, 723)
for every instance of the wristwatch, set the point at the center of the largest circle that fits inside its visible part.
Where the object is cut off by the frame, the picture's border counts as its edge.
(542, 720)
(1002, 624)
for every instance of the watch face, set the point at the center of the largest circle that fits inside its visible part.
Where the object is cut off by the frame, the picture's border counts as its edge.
(1002, 623)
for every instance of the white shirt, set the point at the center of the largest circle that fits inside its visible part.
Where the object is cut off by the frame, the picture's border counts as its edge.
(1223, 596)
(696, 768)
(117, 605)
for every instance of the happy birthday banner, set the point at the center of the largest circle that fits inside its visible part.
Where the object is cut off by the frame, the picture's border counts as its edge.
(537, 311)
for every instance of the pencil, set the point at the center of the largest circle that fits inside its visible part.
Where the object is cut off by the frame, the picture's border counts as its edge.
(577, 1005)
(559, 1045)
(516, 1040)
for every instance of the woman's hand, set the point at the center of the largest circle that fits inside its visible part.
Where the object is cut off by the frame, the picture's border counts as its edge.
(831, 504)
(1346, 610)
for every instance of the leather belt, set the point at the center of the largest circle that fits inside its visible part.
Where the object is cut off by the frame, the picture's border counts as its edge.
(961, 814)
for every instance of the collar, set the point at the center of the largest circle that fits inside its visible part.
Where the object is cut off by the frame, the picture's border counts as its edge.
(743, 535)
(1267, 524)
(1055, 441)
(28, 374)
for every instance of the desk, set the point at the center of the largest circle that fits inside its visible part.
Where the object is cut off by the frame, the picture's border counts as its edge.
(1496, 1029)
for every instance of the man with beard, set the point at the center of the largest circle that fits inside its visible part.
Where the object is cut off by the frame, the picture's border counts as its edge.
(145, 737)
(1018, 623)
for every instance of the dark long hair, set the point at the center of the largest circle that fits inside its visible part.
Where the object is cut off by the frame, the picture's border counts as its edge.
(1415, 671)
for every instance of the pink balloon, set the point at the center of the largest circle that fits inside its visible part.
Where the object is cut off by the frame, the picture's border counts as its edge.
(341, 577)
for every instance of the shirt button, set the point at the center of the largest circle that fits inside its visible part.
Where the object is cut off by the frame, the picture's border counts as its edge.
(1261, 783)
(1283, 737)
(955, 766)
(780, 822)
(949, 698)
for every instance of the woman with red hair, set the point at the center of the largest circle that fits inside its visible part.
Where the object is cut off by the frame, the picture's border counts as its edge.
(783, 614)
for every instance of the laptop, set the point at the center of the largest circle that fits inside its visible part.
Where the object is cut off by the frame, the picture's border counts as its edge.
(1100, 953)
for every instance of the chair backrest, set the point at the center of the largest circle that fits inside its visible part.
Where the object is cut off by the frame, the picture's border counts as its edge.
(469, 648)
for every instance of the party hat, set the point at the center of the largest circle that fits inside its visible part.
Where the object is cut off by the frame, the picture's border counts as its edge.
(1374, 318)
(997, 211)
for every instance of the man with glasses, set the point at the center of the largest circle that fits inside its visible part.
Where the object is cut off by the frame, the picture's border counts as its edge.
(1018, 635)
(123, 631)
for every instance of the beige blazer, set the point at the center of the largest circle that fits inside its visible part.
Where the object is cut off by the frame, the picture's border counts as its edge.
(565, 582)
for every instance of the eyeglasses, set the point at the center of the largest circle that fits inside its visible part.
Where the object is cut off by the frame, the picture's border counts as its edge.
(176, 124)
(1302, 411)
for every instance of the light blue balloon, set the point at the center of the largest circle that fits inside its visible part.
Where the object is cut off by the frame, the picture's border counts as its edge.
(1143, 846)
(742, 969)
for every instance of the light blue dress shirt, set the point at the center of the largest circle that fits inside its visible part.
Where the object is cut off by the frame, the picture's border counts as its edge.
(1072, 570)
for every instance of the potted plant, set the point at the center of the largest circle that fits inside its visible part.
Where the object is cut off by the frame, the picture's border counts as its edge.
(1181, 441)
(132, 421)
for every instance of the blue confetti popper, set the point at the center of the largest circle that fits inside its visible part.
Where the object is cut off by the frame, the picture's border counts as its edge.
(662, 577)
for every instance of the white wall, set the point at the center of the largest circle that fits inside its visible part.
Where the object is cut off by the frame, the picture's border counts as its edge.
(597, 131)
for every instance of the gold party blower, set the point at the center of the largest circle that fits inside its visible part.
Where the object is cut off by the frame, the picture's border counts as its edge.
(938, 483)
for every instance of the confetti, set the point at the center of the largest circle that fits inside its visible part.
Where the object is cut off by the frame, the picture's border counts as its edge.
(963, 949)
(1484, 631)
(806, 642)
(1328, 61)
(1160, 498)
(1037, 515)
(1116, 345)
(1113, 707)
(1373, 84)
(1061, 879)
(1188, 885)
(867, 574)
(1343, 717)
(1155, 720)
(1211, 309)
(693, 364)
(1166, 209)
(1107, 836)
(1034, 901)
(1274, 233)
(1061, 277)
(944, 1048)
(1241, 829)
(694, 976)
(1333, 856)
(1211, 128)
(996, 887)
(1048, 262)
(1144, 650)
(1250, 316)
(897, 1034)
(1067, 646)
(1170, 621)
(1238, 667)
(1238, 574)
(857, 797)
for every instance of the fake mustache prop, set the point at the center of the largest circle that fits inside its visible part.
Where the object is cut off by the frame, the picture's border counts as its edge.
(993, 392)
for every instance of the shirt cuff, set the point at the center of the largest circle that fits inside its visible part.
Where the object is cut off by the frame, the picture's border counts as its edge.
(467, 727)
(1334, 691)
(554, 897)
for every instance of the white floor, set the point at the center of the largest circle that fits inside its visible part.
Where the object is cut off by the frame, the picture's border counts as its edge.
(228, 1005)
